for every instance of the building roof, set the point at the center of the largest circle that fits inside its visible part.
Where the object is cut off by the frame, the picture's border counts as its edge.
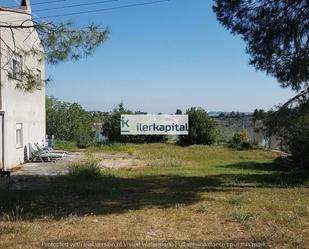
(24, 8)
(21, 11)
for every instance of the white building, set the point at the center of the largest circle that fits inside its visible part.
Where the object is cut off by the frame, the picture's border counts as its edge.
(22, 113)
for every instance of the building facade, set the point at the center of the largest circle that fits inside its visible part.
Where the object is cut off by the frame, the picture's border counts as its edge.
(22, 111)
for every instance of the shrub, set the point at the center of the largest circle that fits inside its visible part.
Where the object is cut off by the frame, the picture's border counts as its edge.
(240, 141)
(239, 137)
(88, 170)
(245, 146)
(202, 129)
(84, 141)
(293, 127)
(68, 121)
(131, 150)
(291, 124)
(299, 147)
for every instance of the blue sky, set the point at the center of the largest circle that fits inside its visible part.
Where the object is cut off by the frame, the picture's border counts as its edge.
(162, 57)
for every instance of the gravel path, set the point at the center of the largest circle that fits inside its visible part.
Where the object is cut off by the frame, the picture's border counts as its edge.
(39, 175)
(59, 167)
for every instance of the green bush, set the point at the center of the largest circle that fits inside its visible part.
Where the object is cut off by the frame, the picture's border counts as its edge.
(202, 129)
(294, 129)
(88, 170)
(69, 121)
(84, 141)
(240, 141)
(291, 124)
(239, 137)
(245, 146)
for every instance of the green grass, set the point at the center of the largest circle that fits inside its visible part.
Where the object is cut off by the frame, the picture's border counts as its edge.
(227, 166)
(86, 171)
(196, 193)
(66, 145)
(112, 147)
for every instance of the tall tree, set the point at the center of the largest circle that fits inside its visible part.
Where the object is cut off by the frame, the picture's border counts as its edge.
(258, 114)
(276, 33)
(178, 112)
(202, 129)
(68, 121)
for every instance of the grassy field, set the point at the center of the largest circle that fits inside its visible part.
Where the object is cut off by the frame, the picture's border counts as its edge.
(183, 193)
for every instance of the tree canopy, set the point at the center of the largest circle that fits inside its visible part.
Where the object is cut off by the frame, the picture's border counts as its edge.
(68, 121)
(202, 129)
(276, 33)
(61, 42)
(259, 114)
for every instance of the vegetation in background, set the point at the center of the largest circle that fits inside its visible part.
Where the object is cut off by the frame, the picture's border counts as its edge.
(178, 112)
(70, 122)
(202, 128)
(293, 126)
(98, 116)
(296, 134)
(110, 147)
(259, 114)
(228, 124)
(66, 145)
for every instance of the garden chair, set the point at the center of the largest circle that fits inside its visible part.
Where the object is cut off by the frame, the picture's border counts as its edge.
(49, 150)
(38, 155)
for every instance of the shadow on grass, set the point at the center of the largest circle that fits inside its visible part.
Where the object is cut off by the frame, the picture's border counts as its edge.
(273, 174)
(59, 196)
(271, 167)
(278, 165)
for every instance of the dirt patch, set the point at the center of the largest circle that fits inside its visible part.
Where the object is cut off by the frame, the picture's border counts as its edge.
(61, 167)
(119, 161)
(39, 174)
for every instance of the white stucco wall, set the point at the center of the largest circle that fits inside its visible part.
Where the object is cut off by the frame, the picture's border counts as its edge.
(18, 106)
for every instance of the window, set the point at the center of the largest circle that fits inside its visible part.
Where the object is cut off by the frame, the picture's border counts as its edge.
(17, 67)
(19, 135)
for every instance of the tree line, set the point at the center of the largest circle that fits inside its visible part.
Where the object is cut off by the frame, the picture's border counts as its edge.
(69, 121)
